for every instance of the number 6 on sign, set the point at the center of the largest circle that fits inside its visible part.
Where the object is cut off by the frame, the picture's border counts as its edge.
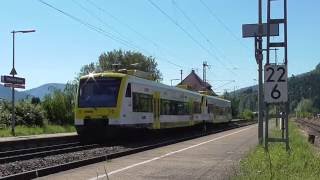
(275, 83)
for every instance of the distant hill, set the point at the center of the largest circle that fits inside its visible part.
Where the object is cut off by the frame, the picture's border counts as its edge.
(45, 89)
(242, 90)
(5, 93)
(41, 91)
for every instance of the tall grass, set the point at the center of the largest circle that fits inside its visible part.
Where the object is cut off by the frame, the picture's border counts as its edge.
(303, 162)
(46, 129)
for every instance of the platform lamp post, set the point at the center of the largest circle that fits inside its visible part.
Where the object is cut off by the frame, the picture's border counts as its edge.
(13, 73)
(174, 80)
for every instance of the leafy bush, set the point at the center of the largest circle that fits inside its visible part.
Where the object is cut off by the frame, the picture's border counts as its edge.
(26, 114)
(59, 105)
(5, 114)
(35, 100)
(55, 107)
(29, 114)
(247, 114)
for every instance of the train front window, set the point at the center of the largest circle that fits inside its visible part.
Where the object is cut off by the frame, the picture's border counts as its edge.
(99, 92)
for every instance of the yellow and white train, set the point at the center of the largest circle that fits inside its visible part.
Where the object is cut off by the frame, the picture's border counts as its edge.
(110, 102)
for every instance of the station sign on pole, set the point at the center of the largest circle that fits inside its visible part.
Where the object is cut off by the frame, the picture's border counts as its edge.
(21, 86)
(252, 30)
(12, 80)
(275, 83)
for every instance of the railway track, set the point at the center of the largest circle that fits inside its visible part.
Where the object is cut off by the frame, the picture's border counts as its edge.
(24, 154)
(43, 171)
(312, 127)
(29, 143)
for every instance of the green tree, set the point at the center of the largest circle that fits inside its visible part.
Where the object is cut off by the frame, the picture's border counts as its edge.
(55, 107)
(86, 69)
(70, 93)
(247, 114)
(59, 105)
(5, 114)
(318, 67)
(35, 100)
(305, 108)
(126, 60)
(234, 103)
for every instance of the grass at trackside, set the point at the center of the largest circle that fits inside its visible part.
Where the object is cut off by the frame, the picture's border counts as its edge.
(302, 163)
(47, 129)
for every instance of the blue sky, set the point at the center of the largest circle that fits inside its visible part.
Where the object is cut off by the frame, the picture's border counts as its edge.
(61, 46)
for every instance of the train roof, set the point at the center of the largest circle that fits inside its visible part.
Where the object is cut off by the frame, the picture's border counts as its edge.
(103, 74)
(150, 82)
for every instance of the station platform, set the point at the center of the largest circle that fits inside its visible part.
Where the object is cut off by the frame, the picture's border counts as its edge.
(31, 137)
(32, 141)
(215, 156)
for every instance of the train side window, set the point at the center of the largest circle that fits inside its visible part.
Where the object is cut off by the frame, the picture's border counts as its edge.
(196, 107)
(210, 108)
(165, 107)
(216, 110)
(128, 91)
(142, 102)
(171, 107)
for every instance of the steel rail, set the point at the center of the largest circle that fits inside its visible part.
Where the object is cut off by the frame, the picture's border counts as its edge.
(51, 152)
(311, 125)
(36, 149)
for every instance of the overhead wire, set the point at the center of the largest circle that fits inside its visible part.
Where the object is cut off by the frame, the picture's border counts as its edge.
(188, 34)
(100, 20)
(86, 24)
(226, 27)
(223, 24)
(224, 84)
(96, 29)
(199, 30)
(131, 28)
(123, 38)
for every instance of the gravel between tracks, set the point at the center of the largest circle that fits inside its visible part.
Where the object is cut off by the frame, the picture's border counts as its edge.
(37, 163)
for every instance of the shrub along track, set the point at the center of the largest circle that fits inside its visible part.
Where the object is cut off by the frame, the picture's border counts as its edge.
(68, 158)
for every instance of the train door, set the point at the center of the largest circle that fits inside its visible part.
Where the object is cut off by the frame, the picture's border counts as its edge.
(204, 108)
(156, 110)
(190, 106)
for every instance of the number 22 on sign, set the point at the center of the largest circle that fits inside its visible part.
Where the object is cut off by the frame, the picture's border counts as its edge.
(275, 83)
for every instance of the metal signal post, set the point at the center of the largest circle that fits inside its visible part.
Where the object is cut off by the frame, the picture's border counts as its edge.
(276, 76)
(259, 58)
(257, 31)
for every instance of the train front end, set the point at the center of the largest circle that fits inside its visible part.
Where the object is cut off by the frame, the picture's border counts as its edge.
(98, 102)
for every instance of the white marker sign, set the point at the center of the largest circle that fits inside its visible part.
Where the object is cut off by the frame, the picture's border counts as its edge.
(275, 83)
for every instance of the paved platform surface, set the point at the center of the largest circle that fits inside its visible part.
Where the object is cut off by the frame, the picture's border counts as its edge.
(18, 138)
(212, 157)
